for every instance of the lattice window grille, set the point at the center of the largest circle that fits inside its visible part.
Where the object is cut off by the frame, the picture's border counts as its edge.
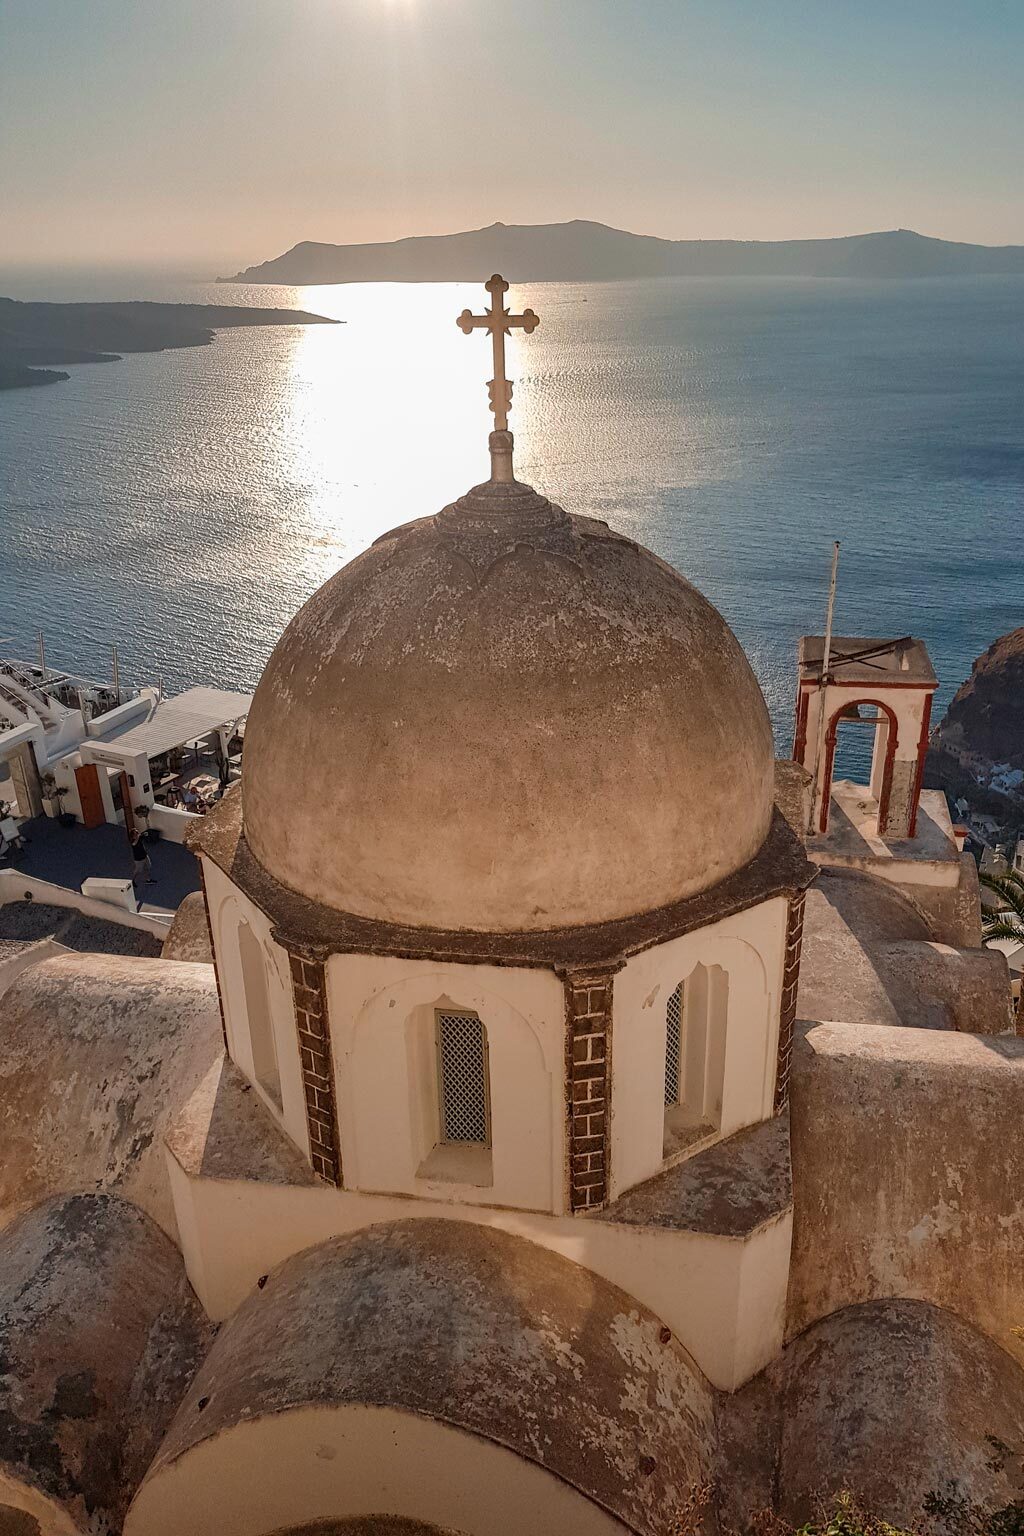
(673, 1040)
(462, 1078)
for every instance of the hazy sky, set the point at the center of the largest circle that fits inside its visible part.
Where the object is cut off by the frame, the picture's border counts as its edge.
(220, 132)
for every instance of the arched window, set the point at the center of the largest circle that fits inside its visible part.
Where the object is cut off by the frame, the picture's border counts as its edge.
(695, 1028)
(457, 1124)
(257, 1008)
(463, 1090)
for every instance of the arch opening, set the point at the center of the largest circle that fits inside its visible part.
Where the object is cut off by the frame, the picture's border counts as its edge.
(854, 720)
(257, 1009)
(695, 1039)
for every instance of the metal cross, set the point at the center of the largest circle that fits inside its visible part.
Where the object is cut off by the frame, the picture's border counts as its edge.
(500, 323)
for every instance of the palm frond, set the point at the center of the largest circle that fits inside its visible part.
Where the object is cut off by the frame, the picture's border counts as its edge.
(1003, 928)
(1009, 887)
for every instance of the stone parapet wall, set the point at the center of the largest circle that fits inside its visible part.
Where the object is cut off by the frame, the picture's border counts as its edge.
(908, 1173)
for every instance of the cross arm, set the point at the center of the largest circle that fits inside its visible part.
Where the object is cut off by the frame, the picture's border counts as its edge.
(468, 322)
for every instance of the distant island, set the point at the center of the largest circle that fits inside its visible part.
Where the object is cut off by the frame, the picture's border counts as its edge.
(582, 251)
(42, 334)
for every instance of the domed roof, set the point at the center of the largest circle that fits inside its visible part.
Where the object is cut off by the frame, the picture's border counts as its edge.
(503, 718)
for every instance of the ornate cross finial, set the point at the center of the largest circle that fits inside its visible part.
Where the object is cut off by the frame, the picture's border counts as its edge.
(500, 323)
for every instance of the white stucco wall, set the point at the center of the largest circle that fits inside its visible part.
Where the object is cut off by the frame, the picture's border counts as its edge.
(172, 822)
(382, 1031)
(750, 948)
(229, 908)
(315, 1463)
(723, 1297)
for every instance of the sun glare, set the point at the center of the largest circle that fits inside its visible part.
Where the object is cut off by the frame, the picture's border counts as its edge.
(387, 413)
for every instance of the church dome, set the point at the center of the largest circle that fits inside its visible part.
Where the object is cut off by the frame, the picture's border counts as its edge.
(503, 718)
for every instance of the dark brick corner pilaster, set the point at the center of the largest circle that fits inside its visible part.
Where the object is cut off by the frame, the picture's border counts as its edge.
(588, 997)
(787, 1005)
(309, 988)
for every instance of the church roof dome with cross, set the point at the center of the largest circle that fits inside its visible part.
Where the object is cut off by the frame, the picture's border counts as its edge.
(506, 718)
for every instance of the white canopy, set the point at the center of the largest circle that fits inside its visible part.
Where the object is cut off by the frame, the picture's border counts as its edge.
(179, 720)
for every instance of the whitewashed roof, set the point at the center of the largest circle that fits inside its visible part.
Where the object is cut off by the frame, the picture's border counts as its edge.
(181, 719)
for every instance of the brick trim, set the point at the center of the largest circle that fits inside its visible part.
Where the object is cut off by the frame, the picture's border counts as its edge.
(213, 956)
(309, 990)
(588, 1041)
(787, 1004)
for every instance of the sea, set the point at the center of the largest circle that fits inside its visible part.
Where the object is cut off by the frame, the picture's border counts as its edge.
(183, 505)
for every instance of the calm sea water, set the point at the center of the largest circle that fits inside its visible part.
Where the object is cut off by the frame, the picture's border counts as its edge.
(185, 504)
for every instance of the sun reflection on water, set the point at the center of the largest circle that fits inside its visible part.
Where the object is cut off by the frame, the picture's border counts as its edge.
(386, 416)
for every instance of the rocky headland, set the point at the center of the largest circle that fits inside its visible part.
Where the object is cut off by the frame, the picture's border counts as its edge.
(978, 748)
(35, 335)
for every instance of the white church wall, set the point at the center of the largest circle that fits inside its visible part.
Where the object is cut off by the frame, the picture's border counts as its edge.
(385, 1065)
(750, 949)
(230, 911)
(723, 1297)
(292, 1469)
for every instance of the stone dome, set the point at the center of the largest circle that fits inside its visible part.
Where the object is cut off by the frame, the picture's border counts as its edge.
(503, 718)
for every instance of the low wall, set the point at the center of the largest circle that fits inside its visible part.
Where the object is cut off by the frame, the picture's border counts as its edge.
(18, 887)
(170, 821)
(23, 957)
(723, 1297)
(908, 1173)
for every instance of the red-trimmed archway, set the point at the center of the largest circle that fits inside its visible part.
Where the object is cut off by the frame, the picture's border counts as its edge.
(830, 754)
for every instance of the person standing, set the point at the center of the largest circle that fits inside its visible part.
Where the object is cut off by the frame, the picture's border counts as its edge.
(142, 866)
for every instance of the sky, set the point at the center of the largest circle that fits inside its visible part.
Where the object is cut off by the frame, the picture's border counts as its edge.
(213, 134)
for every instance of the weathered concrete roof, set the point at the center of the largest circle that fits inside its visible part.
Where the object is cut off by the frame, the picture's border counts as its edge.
(893, 1401)
(779, 868)
(852, 838)
(890, 663)
(867, 959)
(482, 1331)
(730, 1189)
(100, 1334)
(189, 934)
(225, 1131)
(26, 922)
(506, 726)
(97, 1053)
(362, 1525)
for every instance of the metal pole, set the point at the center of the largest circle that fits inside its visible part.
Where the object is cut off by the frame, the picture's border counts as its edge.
(117, 676)
(42, 655)
(826, 659)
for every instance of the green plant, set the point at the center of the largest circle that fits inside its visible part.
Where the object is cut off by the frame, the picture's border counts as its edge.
(844, 1516)
(1007, 922)
(949, 1513)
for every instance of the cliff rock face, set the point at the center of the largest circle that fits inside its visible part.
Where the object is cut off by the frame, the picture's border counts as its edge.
(986, 717)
